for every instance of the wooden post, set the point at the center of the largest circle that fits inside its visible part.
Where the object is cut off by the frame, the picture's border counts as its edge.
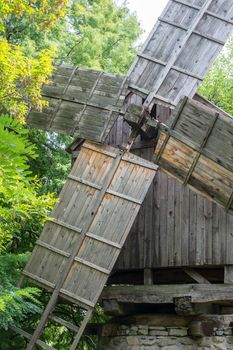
(148, 277)
(228, 274)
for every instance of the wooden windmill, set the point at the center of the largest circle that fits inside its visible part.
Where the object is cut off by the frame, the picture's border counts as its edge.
(81, 242)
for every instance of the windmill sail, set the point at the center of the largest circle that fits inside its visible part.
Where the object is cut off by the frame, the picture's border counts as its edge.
(78, 247)
(82, 103)
(196, 147)
(180, 49)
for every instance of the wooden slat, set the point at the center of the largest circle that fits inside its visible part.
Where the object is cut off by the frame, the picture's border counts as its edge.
(84, 182)
(50, 247)
(103, 240)
(188, 73)
(93, 266)
(186, 3)
(42, 281)
(95, 148)
(28, 336)
(145, 164)
(210, 38)
(64, 224)
(64, 323)
(164, 20)
(81, 330)
(152, 59)
(221, 18)
(76, 298)
(121, 195)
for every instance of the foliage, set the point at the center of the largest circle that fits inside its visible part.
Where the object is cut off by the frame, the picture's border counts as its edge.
(102, 35)
(218, 84)
(19, 202)
(16, 305)
(23, 71)
(43, 13)
(21, 79)
(52, 164)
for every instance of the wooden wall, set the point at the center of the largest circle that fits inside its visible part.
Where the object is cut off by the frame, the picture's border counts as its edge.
(175, 227)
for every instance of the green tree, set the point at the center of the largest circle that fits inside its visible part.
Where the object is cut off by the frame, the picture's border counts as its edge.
(19, 202)
(20, 207)
(218, 84)
(102, 35)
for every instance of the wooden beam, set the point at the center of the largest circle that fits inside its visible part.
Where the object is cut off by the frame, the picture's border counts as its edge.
(29, 336)
(165, 294)
(148, 277)
(228, 274)
(196, 276)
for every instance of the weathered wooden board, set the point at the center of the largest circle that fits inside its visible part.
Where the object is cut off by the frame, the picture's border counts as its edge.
(97, 208)
(196, 148)
(83, 103)
(180, 49)
(159, 294)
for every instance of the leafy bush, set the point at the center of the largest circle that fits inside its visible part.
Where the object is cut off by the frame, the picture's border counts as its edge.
(15, 303)
(20, 205)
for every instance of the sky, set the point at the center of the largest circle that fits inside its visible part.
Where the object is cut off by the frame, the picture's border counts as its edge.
(147, 12)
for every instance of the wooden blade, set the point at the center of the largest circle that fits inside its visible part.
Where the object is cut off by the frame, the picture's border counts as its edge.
(180, 49)
(79, 246)
(196, 147)
(82, 103)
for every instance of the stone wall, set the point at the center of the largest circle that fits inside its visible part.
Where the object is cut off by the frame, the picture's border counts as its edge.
(142, 337)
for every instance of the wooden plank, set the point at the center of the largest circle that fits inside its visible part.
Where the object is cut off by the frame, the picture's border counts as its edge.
(81, 330)
(103, 240)
(120, 195)
(228, 274)
(186, 3)
(165, 294)
(148, 277)
(64, 224)
(93, 266)
(88, 183)
(50, 247)
(28, 336)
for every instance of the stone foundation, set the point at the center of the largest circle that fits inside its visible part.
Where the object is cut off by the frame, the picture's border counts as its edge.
(142, 337)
